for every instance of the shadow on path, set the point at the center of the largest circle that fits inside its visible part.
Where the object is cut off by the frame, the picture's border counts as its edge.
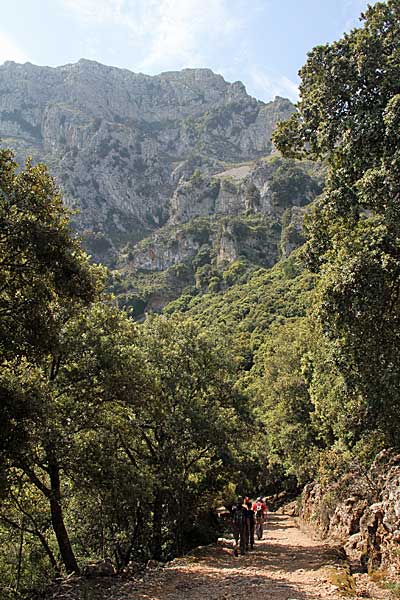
(278, 568)
(220, 580)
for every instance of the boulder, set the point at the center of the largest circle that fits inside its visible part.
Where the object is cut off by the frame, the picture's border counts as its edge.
(355, 548)
(133, 568)
(290, 509)
(391, 499)
(372, 533)
(102, 568)
(153, 564)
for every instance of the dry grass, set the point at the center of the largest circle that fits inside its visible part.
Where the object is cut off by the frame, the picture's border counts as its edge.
(342, 579)
(378, 576)
(393, 587)
(381, 577)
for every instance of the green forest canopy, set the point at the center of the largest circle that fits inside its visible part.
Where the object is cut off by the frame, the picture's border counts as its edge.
(110, 429)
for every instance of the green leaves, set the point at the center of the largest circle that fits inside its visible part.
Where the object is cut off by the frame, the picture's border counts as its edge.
(45, 281)
(349, 115)
(43, 269)
(98, 413)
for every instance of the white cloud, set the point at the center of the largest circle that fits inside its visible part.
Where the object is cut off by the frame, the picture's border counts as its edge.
(184, 30)
(98, 11)
(9, 50)
(168, 34)
(269, 86)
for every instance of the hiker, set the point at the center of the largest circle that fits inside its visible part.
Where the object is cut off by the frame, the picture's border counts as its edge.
(250, 524)
(246, 518)
(239, 526)
(260, 512)
(260, 508)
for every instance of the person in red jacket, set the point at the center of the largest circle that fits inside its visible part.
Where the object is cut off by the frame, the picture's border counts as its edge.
(260, 507)
(260, 513)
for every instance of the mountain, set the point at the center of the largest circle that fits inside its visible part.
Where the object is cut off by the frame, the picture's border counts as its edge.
(221, 228)
(123, 146)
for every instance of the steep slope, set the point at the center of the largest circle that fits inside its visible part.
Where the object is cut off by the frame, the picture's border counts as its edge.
(252, 302)
(120, 143)
(221, 227)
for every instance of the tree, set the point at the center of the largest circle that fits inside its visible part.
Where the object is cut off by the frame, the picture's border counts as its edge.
(98, 413)
(42, 264)
(45, 277)
(188, 425)
(349, 115)
(283, 400)
(43, 273)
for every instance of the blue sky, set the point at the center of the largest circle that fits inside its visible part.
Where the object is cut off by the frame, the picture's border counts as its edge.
(260, 42)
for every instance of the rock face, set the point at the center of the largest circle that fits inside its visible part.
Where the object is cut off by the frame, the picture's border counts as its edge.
(121, 144)
(174, 176)
(251, 214)
(252, 188)
(367, 522)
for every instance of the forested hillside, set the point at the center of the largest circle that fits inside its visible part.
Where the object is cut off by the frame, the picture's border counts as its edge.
(222, 229)
(272, 362)
(92, 423)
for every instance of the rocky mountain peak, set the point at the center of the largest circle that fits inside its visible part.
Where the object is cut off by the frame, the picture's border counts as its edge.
(120, 142)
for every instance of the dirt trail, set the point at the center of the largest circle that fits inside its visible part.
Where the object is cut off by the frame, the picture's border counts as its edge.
(288, 564)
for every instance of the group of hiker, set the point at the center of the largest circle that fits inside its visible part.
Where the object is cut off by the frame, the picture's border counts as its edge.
(247, 518)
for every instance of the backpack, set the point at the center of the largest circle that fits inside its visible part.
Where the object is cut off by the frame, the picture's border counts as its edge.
(259, 510)
(237, 516)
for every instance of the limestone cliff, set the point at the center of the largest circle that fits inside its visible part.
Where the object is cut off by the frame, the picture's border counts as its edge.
(268, 186)
(121, 143)
(174, 176)
(251, 213)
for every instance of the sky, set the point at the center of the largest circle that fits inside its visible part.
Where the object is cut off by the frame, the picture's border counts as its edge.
(262, 43)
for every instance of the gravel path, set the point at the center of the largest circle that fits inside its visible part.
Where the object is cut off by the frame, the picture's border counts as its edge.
(287, 565)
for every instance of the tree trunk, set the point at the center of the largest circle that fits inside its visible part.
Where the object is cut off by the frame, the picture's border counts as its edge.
(180, 522)
(157, 525)
(49, 553)
(20, 555)
(126, 556)
(57, 517)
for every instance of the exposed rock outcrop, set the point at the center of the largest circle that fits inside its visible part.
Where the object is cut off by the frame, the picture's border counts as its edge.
(367, 522)
(268, 186)
(119, 143)
(174, 176)
(251, 213)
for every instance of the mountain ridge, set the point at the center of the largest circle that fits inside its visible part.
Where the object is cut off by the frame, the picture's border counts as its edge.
(118, 142)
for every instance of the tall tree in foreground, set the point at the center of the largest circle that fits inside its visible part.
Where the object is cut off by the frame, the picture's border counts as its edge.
(44, 278)
(114, 438)
(349, 115)
(188, 426)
